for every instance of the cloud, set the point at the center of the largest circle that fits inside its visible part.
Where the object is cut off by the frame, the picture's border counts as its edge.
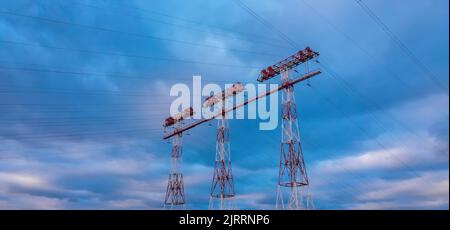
(434, 185)
(256, 200)
(123, 171)
(23, 180)
(430, 190)
(423, 112)
(394, 149)
(14, 201)
(389, 158)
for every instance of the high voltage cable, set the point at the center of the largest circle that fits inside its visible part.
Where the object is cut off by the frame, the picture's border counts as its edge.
(83, 134)
(130, 55)
(267, 24)
(349, 86)
(121, 32)
(105, 10)
(72, 73)
(113, 54)
(365, 131)
(20, 66)
(77, 122)
(72, 118)
(349, 38)
(272, 138)
(407, 51)
(287, 39)
(177, 18)
(375, 105)
(82, 122)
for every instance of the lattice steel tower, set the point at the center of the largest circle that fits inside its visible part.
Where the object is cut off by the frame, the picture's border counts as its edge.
(175, 186)
(292, 178)
(175, 198)
(293, 192)
(222, 189)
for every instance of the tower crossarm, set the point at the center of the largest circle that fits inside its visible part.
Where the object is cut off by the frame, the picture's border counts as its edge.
(267, 93)
(291, 62)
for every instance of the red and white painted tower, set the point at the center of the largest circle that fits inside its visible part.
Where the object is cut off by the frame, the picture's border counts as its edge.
(222, 188)
(223, 194)
(292, 176)
(175, 198)
(175, 187)
(293, 182)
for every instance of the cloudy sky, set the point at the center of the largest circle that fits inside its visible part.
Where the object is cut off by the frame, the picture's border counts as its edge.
(84, 88)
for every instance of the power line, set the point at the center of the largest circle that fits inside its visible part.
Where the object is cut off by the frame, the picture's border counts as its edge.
(347, 84)
(80, 122)
(123, 32)
(83, 134)
(96, 52)
(375, 105)
(365, 131)
(349, 87)
(401, 44)
(181, 19)
(105, 10)
(293, 44)
(72, 118)
(72, 73)
(350, 38)
(267, 24)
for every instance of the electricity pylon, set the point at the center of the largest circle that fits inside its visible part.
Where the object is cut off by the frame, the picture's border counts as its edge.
(223, 195)
(175, 187)
(292, 177)
(175, 198)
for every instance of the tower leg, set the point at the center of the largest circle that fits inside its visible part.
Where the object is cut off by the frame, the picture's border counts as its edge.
(222, 189)
(292, 177)
(175, 187)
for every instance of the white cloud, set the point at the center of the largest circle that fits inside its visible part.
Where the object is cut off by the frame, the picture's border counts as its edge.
(378, 159)
(253, 201)
(23, 179)
(396, 149)
(428, 191)
(25, 201)
(433, 185)
(423, 112)
(393, 205)
(389, 158)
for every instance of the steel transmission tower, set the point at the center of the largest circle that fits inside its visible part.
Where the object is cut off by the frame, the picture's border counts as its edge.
(175, 187)
(222, 189)
(293, 192)
(293, 183)
(292, 177)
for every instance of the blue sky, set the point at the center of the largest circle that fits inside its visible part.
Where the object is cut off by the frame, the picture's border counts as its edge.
(84, 89)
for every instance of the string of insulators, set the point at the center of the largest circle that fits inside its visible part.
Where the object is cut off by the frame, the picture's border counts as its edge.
(178, 117)
(231, 91)
(291, 62)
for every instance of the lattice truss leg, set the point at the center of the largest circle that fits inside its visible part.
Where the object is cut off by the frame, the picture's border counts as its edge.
(222, 188)
(175, 188)
(293, 192)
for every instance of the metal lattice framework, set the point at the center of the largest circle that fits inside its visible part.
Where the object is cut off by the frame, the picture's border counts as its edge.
(222, 188)
(292, 173)
(289, 63)
(223, 195)
(293, 182)
(175, 186)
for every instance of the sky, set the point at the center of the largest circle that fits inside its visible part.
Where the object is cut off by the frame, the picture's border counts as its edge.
(84, 88)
